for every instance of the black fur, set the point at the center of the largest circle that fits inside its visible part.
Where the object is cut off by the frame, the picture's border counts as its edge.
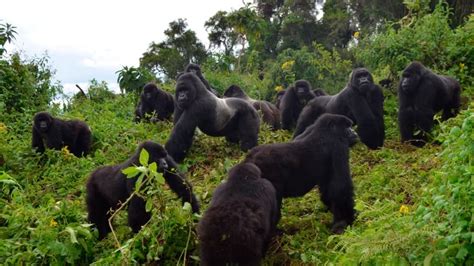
(233, 118)
(278, 97)
(319, 156)
(421, 94)
(196, 69)
(293, 101)
(270, 114)
(155, 103)
(361, 101)
(241, 219)
(108, 187)
(55, 133)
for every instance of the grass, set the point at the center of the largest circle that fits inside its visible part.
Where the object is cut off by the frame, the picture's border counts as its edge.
(43, 218)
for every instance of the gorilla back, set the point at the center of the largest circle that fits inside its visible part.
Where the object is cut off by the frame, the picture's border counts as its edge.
(233, 118)
(241, 219)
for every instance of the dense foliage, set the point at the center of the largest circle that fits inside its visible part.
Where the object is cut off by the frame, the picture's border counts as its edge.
(415, 205)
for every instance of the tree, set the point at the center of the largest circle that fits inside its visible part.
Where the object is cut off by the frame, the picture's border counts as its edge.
(172, 55)
(221, 32)
(7, 35)
(132, 79)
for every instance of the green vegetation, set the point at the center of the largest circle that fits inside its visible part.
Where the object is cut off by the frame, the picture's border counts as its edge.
(415, 205)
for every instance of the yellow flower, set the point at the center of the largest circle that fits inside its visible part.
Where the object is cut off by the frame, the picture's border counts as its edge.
(279, 88)
(356, 35)
(288, 65)
(404, 209)
(66, 153)
(3, 128)
(461, 66)
(53, 223)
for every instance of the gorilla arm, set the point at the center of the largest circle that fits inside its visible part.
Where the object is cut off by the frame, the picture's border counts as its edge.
(339, 190)
(180, 185)
(365, 120)
(181, 137)
(287, 109)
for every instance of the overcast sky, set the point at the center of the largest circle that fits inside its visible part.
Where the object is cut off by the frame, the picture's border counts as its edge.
(93, 39)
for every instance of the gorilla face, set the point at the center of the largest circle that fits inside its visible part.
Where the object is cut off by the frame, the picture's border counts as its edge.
(303, 92)
(410, 80)
(340, 126)
(185, 94)
(42, 121)
(157, 154)
(149, 91)
(361, 79)
(193, 68)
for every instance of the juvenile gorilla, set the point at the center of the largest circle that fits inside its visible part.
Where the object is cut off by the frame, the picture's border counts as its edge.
(270, 114)
(108, 187)
(55, 133)
(233, 118)
(319, 156)
(154, 102)
(361, 101)
(421, 95)
(293, 101)
(241, 219)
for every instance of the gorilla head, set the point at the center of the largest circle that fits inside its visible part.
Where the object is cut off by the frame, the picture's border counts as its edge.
(187, 91)
(361, 80)
(193, 68)
(43, 121)
(150, 91)
(303, 91)
(411, 77)
(235, 91)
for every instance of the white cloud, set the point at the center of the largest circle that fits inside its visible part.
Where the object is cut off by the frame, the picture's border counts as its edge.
(93, 39)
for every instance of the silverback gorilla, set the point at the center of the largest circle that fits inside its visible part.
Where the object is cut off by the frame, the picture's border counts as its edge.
(319, 156)
(108, 187)
(270, 114)
(361, 101)
(55, 133)
(293, 101)
(233, 118)
(421, 95)
(241, 219)
(155, 103)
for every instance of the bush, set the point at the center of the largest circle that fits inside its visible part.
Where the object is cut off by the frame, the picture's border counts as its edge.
(428, 39)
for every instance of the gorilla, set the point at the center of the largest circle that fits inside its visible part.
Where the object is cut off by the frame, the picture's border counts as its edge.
(421, 94)
(196, 69)
(233, 118)
(241, 219)
(361, 101)
(270, 114)
(293, 101)
(108, 187)
(278, 97)
(55, 133)
(319, 156)
(154, 102)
